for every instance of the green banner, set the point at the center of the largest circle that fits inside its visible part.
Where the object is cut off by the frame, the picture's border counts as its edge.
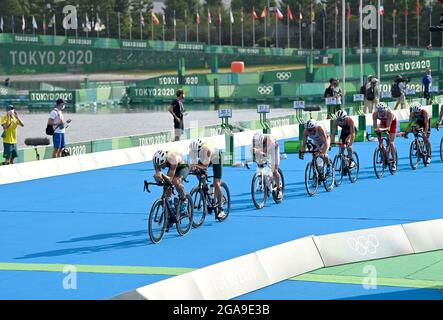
(51, 96)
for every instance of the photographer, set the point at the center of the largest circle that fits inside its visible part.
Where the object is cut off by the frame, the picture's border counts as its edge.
(399, 91)
(57, 121)
(10, 121)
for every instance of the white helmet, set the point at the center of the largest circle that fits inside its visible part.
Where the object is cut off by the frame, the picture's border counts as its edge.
(258, 138)
(195, 145)
(310, 124)
(159, 158)
(416, 108)
(381, 107)
(341, 114)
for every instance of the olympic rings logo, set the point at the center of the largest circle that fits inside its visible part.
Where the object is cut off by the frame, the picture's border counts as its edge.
(265, 90)
(364, 244)
(283, 76)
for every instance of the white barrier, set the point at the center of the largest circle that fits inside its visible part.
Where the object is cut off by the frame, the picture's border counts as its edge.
(425, 236)
(234, 277)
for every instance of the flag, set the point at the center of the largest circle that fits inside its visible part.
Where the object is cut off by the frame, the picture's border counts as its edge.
(300, 15)
(99, 26)
(154, 18)
(142, 20)
(406, 12)
(324, 11)
(278, 14)
(290, 16)
(382, 10)
(197, 18)
(219, 16)
(87, 24)
(394, 13)
(174, 19)
(44, 26)
(34, 23)
(23, 23)
(254, 14)
(336, 10)
(231, 16)
(263, 13)
(348, 11)
(241, 14)
(430, 7)
(164, 19)
(417, 8)
(312, 15)
(209, 17)
(1, 23)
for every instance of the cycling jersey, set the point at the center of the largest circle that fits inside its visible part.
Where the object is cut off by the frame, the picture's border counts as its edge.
(384, 119)
(182, 169)
(215, 159)
(316, 138)
(271, 148)
(420, 120)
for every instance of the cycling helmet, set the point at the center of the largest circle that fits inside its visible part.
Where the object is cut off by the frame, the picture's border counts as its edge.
(341, 115)
(258, 138)
(381, 107)
(311, 124)
(195, 145)
(159, 158)
(416, 108)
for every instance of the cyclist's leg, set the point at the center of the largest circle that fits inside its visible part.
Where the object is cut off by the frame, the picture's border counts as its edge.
(392, 133)
(180, 175)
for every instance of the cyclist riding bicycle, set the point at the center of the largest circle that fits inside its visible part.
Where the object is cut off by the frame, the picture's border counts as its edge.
(318, 134)
(347, 135)
(204, 155)
(266, 149)
(423, 121)
(388, 122)
(178, 170)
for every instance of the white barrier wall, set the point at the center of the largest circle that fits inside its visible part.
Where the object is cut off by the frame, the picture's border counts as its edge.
(235, 277)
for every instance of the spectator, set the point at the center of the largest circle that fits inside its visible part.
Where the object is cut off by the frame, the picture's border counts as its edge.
(56, 119)
(10, 121)
(337, 94)
(427, 83)
(400, 82)
(329, 92)
(7, 82)
(176, 109)
(372, 94)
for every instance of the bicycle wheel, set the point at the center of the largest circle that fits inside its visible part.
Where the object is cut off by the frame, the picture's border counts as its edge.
(200, 208)
(393, 172)
(414, 155)
(157, 221)
(337, 166)
(354, 172)
(274, 193)
(329, 180)
(185, 217)
(226, 201)
(441, 149)
(259, 190)
(379, 163)
(311, 179)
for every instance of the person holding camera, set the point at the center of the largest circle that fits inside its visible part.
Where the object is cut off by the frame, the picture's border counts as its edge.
(399, 92)
(10, 122)
(372, 94)
(56, 120)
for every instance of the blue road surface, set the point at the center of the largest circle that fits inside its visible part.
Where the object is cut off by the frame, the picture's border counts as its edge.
(100, 218)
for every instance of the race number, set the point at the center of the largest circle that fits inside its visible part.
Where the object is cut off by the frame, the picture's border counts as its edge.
(263, 108)
(225, 113)
(299, 104)
(358, 97)
(331, 101)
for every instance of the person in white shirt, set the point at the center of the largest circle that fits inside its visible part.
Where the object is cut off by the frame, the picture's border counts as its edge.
(56, 119)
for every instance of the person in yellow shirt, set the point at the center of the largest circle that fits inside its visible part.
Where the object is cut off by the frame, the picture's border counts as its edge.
(10, 121)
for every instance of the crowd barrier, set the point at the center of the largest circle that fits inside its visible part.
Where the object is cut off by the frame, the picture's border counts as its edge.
(235, 277)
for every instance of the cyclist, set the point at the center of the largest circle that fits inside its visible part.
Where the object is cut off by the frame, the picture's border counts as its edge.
(319, 136)
(347, 135)
(439, 117)
(423, 121)
(178, 170)
(204, 155)
(265, 147)
(388, 122)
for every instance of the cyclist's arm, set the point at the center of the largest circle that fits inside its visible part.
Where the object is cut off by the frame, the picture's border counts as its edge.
(353, 133)
(426, 118)
(389, 121)
(374, 121)
(411, 118)
(334, 130)
(324, 137)
(303, 144)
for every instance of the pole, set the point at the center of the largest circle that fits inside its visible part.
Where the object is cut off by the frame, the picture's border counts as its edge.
(118, 21)
(347, 31)
(312, 29)
(197, 30)
(141, 27)
(360, 10)
(418, 30)
(299, 32)
(209, 32)
(266, 42)
(406, 25)
(242, 31)
(107, 23)
(393, 31)
(186, 27)
(336, 16)
(378, 39)
(45, 25)
(276, 31)
(382, 26)
(253, 32)
(430, 22)
(152, 28)
(287, 22)
(163, 28)
(230, 30)
(324, 29)
(343, 44)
